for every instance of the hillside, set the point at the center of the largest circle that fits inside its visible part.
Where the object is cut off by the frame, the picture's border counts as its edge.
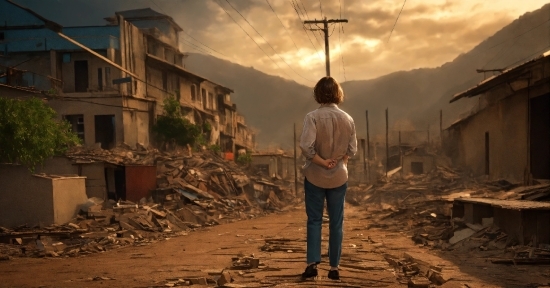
(272, 104)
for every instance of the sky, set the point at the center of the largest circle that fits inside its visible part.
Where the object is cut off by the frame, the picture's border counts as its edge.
(269, 34)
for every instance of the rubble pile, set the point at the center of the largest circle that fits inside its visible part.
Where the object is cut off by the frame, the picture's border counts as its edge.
(422, 206)
(120, 155)
(193, 191)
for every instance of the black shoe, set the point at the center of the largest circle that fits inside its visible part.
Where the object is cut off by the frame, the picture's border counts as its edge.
(311, 271)
(334, 275)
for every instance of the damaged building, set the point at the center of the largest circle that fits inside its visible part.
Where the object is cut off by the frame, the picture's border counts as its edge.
(508, 134)
(110, 81)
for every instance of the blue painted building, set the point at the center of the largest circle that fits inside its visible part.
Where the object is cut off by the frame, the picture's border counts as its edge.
(110, 81)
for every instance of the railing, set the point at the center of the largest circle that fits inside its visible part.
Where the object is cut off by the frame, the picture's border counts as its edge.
(28, 79)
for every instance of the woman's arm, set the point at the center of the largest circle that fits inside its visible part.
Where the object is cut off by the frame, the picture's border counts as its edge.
(326, 163)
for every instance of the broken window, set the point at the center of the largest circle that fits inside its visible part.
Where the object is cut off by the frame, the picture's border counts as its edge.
(203, 93)
(417, 168)
(100, 79)
(210, 101)
(105, 131)
(164, 80)
(193, 92)
(77, 124)
(108, 76)
(81, 76)
(66, 57)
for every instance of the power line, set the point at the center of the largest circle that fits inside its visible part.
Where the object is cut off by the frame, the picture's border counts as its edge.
(252, 39)
(155, 3)
(196, 47)
(528, 57)
(394, 24)
(290, 36)
(304, 28)
(516, 38)
(307, 17)
(518, 35)
(205, 44)
(266, 41)
(340, 42)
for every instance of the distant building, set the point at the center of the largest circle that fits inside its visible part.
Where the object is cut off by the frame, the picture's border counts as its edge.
(508, 135)
(273, 165)
(417, 161)
(116, 96)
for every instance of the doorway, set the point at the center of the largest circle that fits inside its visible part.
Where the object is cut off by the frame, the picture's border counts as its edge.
(81, 76)
(105, 131)
(540, 137)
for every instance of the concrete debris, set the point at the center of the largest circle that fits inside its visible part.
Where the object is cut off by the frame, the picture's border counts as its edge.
(461, 235)
(247, 262)
(192, 192)
(422, 206)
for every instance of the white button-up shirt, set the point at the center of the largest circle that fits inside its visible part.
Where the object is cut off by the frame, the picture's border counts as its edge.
(329, 132)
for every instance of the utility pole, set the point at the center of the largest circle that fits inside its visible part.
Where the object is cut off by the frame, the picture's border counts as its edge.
(295, 164)
(325, 23)
(441, 128)
(387, 144)
(368, 146)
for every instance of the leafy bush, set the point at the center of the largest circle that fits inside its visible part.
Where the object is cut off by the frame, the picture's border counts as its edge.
(215, 148)
(30, 133)
(244, 159)
(171, 126)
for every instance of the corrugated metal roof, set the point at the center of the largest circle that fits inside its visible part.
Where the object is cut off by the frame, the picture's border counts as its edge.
(495, 80)
(508, 204)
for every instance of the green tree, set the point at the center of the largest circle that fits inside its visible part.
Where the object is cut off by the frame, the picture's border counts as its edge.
(171, 126)
(30, 133)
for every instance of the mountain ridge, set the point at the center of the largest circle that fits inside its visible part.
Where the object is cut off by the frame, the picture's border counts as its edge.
(413, 97)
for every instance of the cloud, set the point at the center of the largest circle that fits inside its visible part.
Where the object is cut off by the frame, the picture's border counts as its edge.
(428, 33)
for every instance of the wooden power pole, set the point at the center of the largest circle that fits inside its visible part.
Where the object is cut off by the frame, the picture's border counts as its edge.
(325, 23)
(387, 144)
(295, 164)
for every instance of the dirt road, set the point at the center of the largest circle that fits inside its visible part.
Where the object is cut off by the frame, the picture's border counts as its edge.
(206, 252)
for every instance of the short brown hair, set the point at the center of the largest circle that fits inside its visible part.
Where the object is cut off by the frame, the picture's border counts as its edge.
(327, 91)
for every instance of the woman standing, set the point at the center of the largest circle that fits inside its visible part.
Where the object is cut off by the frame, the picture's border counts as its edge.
(328, 140)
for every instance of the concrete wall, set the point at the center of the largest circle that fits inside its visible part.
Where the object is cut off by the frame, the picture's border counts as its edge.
(96, 185)
(278, 165)
(36, 200)
(89, 108)
(26, 199)
(507, 123)
(68, 195)
(428, 161)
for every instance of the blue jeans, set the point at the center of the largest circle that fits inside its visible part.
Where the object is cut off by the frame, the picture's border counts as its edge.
(315, 200)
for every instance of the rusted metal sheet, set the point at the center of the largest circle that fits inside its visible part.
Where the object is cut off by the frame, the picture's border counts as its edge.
(140, 181)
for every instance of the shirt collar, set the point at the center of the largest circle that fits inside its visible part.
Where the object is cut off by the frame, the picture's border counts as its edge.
(329, 105)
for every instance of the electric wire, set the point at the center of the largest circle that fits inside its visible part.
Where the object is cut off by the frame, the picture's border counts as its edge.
(539, 52)
(196, 47)
(533, 28)
(289, 35)
(252, 39)
(307, 17)
(394, 24)
(162, 10)
(305, 30)
(516, 38)
(258, 32)
(340, 42)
